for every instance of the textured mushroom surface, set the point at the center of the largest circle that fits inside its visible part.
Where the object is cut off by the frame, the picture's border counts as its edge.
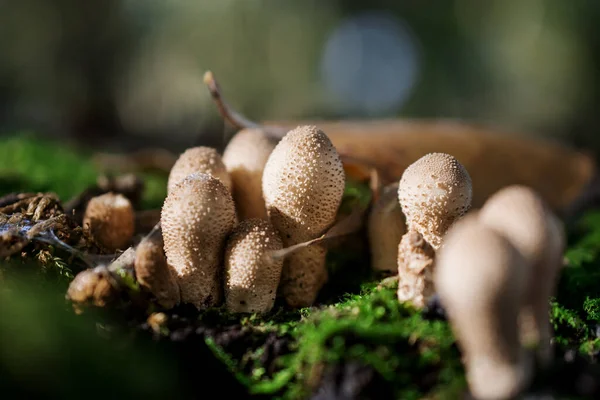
(196, 218)
(519, 214)
(434, 191)
(111, 220)
(303, 185)
(251, 277)
(153, 273)
(201, 159)
(415, 269)
(245, 157)
(386, 225)
(480, 278)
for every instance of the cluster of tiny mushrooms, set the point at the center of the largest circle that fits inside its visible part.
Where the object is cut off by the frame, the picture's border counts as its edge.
(226, 217)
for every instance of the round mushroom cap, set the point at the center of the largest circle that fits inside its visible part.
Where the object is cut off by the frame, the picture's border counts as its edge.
(434, 191)
(153, 273)
(303, 184)
(480, 278)
(111, 220)
(520, 214)
(385, 228)
(196, 218)
(201, 159)
(245, 157)
(251, 277)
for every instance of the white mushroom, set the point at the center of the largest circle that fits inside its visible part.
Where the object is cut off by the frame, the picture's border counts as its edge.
(196, 218)
(201, 159)
(519, 214)
(433, 192)
(245, 157)
(251, 276)
(303, 184)
(480, 278)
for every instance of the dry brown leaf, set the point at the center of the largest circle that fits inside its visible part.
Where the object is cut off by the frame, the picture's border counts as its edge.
(494, 159)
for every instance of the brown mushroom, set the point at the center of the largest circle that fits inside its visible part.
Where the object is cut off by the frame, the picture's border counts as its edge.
(201, 159)
(111, 220)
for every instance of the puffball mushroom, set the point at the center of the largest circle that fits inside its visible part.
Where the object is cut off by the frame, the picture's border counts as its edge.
(251, 276)
(385, 226)
(199, 159)
(245, 157)
(433, 192)
(153, 273)
(196, 218)
(519, 214)
(303, 184)
(480, 278)
(111, 220)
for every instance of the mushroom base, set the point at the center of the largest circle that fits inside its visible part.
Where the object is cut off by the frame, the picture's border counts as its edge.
(304, 274)
(415, 269)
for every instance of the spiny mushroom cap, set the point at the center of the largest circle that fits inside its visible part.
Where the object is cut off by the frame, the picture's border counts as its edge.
(196, 217)
(520, 214)
(480, 278)
(434, 191)
(251, 277)
(303, 184)
(153, 273)
(111, 220)
(386, 225)
(245, 157)
(201, 159)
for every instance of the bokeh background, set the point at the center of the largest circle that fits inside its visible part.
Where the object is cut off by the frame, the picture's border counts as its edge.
(124, 74)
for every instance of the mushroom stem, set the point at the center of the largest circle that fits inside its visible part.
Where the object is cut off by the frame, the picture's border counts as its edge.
(304, 274)
(415, 264)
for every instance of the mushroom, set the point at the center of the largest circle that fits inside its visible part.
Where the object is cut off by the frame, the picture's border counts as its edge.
(385, 227)
(519, 214)
(196, 218)
(92, 287)
(110, 220)
(480, 278)
(153, 273)
(251, 276)
(433, 192)
(199, 159)
(303, 184)
(245, 157)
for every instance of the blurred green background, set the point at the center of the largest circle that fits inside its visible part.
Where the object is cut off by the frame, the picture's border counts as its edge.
(127, 73)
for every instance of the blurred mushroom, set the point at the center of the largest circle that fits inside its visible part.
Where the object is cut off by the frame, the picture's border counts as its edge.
(386, 225)
(480, 278)
(110, 220)
(522, 217)
(205, 160)
(245, 157)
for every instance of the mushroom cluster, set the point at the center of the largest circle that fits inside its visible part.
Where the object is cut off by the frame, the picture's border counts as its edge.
(226, 221)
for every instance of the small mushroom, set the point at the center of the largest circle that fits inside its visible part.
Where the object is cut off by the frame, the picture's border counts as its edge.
(519, 214)
(433, 192)
(251, 276)
(245, 157)
(153, 273)
(196, 218)
(480, 278)
(111, 220)
(201, 159)
(303, 184)
(92, 287)
(386, 225)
